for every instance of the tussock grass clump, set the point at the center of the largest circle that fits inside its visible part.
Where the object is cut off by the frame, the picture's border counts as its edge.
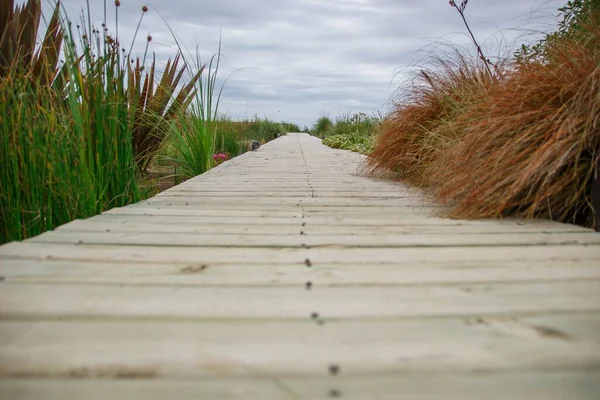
(523, 141)
(423, 123)
(529, 148)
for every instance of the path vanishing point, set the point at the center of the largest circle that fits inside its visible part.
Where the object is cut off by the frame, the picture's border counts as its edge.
(285, 274)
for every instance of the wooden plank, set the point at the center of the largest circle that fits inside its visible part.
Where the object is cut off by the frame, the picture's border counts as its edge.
(164, 302)
(294, 228)
(390, 203)
(306, 202)
(334, 255)
(202, 191)
(185, 274)
(240, 211)
(189, 349)
(241, 239)
(533, 385)
(320, 222)
(347, 216)
(166, 225)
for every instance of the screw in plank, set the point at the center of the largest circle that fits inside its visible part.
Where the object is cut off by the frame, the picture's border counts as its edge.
(308, 285)
(314, 315)
(334, 369)
(307, 262)
(335, 393)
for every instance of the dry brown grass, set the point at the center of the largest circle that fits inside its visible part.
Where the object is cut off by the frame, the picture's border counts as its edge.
(422, 124)
(525, 145)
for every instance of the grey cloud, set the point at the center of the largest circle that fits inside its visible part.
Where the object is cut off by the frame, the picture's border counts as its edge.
(298, 59)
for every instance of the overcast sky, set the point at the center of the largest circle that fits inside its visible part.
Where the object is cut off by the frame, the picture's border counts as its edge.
(295, 60)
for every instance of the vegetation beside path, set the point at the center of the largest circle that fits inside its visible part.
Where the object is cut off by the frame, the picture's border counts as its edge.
(517, 137)
(354, 132)
(85, 125)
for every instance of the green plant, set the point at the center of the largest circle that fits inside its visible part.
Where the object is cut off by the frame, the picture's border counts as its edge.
(353, 141)
(286, 127)
(321, 126)
(355, 132)
(67, 146)
(575, 18)
(263, 130)
(153, 107)
(194, 133)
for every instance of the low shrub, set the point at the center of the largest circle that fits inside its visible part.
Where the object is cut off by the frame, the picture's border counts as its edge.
(354, 132)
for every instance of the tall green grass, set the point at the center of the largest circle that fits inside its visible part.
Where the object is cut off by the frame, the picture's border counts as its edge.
(193, 134)
(200, 131)
(101, 120)
(67, 134)
(193, 141)
(321, 126)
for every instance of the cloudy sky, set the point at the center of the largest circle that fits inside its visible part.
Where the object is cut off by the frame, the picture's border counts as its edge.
(296, 60)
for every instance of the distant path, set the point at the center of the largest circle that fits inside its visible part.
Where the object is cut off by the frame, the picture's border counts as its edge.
(281, 274)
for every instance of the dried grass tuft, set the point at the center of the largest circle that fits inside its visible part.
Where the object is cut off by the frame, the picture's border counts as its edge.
(525, 143)
(422, 123)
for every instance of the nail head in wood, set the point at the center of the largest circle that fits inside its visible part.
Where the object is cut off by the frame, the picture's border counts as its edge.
(334, 369)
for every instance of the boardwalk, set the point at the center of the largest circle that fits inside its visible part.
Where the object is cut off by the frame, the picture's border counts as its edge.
(283, 274)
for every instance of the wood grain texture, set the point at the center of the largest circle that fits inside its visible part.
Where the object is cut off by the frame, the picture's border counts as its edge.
(140, 301)
(286, 273)
(273, 275)
(551, 385)
(213, 348)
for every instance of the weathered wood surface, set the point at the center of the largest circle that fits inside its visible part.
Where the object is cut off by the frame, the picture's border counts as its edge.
(286, 274)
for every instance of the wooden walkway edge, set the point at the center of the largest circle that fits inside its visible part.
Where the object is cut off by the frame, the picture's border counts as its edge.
(286, 274)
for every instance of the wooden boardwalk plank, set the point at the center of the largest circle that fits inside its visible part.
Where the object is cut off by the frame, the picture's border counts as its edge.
(75, 300)
(319, 255)
(159, 224)
(170, 349)
(352, 275)
(317, 240)
(533, 385)
(253, 279)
